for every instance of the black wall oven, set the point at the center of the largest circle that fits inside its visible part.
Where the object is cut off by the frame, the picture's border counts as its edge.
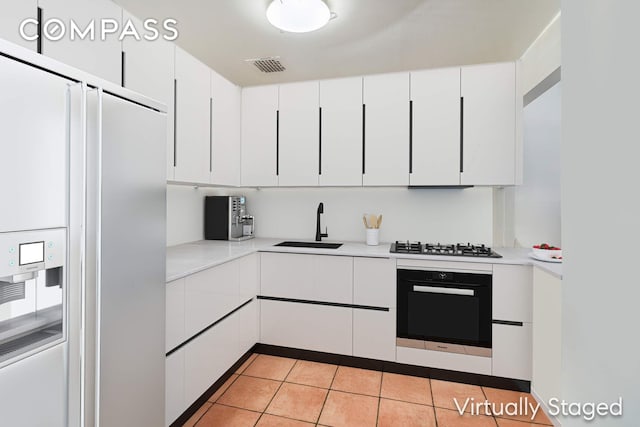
(444, 311)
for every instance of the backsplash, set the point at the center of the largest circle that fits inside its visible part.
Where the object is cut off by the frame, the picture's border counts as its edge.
(444, 215)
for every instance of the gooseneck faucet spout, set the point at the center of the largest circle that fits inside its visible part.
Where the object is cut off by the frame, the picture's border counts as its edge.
(319, 234)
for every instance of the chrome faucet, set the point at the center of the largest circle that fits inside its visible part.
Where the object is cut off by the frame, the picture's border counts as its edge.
(320, 235)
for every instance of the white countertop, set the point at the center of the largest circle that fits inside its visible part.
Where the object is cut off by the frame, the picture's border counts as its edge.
(189, 258)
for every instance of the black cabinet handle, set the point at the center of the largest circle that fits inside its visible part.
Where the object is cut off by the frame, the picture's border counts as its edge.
(277, 142)
(123, 59)
(320, 141)
(39, 31)
(210, 134)
(506, 322)
(410, 136)
(462, 134)
(175, 122)
(364, 117)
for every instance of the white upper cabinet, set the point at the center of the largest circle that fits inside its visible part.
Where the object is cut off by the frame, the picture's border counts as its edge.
(489, 124)
(259, 136)
(435, 142)
(192, 119)
(299, 134)
(13, 13)
(101, 58)
(225, 131)
(386, 139)
(148, 68)
(148, 65)
(341, 132)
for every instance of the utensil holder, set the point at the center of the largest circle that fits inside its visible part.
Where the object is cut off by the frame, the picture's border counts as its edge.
(373, 236)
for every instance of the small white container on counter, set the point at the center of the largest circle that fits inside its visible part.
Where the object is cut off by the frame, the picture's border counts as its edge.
(373, 236)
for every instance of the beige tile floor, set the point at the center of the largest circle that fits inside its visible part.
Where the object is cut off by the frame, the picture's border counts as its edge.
(276, 391)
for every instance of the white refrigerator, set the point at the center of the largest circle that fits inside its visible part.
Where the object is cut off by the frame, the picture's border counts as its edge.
(82, 248)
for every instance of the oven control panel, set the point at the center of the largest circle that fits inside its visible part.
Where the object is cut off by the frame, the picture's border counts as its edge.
(27, 251)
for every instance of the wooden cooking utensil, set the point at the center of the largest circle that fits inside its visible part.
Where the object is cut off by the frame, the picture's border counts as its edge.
(364, 219)
(372, 221)
(379, 221)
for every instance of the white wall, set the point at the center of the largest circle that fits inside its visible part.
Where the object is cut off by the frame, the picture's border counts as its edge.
(542, 57)
(537, 200)
(600, 205)
(445, 215)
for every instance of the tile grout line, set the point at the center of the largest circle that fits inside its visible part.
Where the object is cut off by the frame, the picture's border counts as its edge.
(379, 399)
(198, 420)
(279, 387)
(433, 402)
(328, 391)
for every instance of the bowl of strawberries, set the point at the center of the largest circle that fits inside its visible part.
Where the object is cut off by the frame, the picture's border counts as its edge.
(547, 251)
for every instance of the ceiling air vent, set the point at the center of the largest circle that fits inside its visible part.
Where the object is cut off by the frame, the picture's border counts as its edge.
(270, 64)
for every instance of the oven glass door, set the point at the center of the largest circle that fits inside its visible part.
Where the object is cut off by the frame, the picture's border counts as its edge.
(454, 310)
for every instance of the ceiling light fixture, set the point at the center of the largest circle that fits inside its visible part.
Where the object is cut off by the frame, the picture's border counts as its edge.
(299, 16)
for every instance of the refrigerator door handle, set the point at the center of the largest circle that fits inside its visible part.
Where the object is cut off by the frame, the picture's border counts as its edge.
(98, 287)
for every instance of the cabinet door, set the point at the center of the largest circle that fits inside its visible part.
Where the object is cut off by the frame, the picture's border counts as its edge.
(489, 133)
(209, 356)
(341, 132)
(192, 125)
(511, 353)
(306, 326)
(148, 65)
(307, 277)
(99, 57)
(374, 282)
(174, 386)
(175, 315)
(259, 136)
(547, 335)
(149, 70)
(225, 131)
(249, 327)
(299, 155)
(374, 334)
(386, 139)
(209, 296)
(512, 293)
(435, 142)
(13, 13)
(249, 276)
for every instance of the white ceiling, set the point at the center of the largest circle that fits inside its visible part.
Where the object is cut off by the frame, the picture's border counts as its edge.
(368, 36)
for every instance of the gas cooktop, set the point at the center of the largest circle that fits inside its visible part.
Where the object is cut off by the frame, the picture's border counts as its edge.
(458, 249)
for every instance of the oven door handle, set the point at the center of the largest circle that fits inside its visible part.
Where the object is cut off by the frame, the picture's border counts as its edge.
(442, 290)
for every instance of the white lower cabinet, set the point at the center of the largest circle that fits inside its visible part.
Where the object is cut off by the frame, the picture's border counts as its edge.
(210, 295)
(443, 360)
(306, 326)
(248, 327)
(374, 334)
(174, 330)
(174, 386)
(512, 351)
(209, 356)
(307, 277)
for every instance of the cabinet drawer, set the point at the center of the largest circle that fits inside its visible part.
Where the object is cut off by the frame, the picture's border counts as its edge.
(512, 351)
(374, 334)
(307, 277)
(512, 293)
(306, 326)
(210, 295)
(209, 356)
(175, 316)
(374, 282)
(174, 386)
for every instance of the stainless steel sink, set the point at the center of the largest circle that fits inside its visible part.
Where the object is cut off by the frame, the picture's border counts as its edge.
(318, 245)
